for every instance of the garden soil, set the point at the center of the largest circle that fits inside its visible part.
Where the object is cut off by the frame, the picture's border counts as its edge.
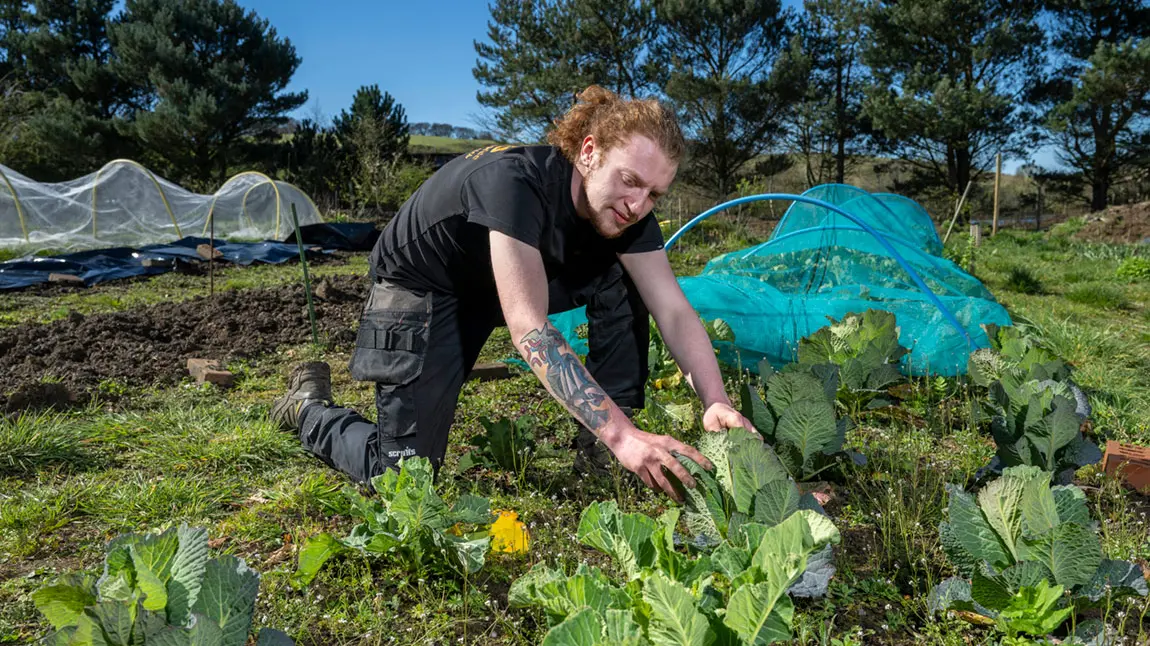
(1125, 224)
(64, 363)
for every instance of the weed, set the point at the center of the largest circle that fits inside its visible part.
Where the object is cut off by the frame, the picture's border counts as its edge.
(1023, 281)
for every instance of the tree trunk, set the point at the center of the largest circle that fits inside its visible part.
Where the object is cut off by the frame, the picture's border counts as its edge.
(840, 127)
(1099, 189)
(1104, 146)
(962, 168)
(952, 168)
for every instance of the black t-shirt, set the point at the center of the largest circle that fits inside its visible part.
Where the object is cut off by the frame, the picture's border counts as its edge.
(439, 239)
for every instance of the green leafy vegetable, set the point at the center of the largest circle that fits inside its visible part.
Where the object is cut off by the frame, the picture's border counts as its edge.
(670, 597)
(1033, 610)
(506, 444)
(1011, 351)
(866, 351)
(1036, 424)
(156, 589)
(410, 522)
(1017, 542)
(798, 418)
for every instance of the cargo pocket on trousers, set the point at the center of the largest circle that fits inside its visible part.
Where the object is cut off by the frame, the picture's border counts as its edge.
(393, 332)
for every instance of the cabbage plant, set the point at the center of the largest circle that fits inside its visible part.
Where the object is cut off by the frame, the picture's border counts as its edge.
(157, 590)
(737, 594)
(1018, 538)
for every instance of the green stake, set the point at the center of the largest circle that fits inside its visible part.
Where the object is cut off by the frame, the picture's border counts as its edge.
(306, 280)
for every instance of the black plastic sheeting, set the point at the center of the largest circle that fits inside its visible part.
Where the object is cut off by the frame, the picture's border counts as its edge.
(101, 265)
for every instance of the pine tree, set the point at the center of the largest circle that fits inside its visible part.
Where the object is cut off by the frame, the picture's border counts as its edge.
(828, 124)
(948, 75)
(542, 52)
(217, 76)
(729, 68)
(1097, 103)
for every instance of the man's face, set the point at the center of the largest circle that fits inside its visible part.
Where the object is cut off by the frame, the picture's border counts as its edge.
(620, 186)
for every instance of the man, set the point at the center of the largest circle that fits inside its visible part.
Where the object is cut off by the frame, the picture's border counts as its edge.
(504, 236)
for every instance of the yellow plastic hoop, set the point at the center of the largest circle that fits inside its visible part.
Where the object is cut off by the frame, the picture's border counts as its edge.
(19, 208)
(159, 189)
(216, 196)
(244, 202)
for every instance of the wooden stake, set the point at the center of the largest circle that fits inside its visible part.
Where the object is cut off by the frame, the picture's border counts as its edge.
(212, 256)
(957, 210)
(306, 279)
(997, 180)
(976, 233)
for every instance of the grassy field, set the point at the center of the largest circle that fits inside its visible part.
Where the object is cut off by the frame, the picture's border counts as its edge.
(430, 144)
(70, 481)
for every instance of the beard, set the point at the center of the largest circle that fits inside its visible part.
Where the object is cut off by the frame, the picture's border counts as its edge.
(603, 223)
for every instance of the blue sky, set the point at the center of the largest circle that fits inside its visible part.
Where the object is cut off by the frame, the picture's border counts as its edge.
(420, 52)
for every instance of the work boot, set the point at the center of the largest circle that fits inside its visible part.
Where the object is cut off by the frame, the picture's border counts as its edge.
(310, 383)
(593, 458)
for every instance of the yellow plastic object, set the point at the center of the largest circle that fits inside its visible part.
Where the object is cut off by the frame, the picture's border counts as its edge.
(19, 208)
(216, 196)
(151, 176)
(509, 534)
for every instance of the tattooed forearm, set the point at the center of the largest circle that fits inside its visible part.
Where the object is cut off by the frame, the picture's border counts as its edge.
(550, 356)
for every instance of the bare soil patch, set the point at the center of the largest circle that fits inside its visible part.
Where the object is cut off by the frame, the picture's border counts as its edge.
(63, 363)
(1126, 224)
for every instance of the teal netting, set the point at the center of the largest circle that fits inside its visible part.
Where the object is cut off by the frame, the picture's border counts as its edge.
(837, 250)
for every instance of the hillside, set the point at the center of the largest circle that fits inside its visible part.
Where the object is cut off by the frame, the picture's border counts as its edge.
(429, 144)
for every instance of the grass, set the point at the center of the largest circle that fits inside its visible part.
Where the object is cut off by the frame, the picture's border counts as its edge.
(1100, 295)
(70, 481)
(430, 144)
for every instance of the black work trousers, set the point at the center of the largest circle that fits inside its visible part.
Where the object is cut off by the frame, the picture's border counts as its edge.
(419, 349)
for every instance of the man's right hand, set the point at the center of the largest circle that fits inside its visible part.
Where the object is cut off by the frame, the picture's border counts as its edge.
(648, 454)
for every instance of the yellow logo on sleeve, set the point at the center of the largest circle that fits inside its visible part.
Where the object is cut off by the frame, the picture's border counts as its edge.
(494, 148)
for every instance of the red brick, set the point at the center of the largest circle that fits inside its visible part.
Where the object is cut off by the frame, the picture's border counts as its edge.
(205, 251)
(68, 279)
(490, 371)
(221, 378)
(1134, 462)
(197, 368)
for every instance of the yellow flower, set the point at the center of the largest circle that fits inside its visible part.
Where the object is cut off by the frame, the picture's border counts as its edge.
(508, 533)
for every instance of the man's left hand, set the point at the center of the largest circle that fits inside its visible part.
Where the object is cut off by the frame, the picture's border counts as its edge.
(719, 417)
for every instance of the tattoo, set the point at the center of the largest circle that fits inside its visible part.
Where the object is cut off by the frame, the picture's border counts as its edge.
(547, 349)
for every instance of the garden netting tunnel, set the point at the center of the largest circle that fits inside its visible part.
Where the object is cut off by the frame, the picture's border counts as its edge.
(838, 249)
(125, 204)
